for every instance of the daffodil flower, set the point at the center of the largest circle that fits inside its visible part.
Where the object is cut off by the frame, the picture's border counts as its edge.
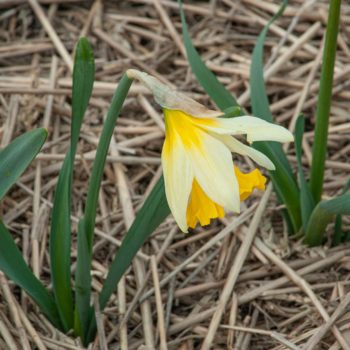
(200, 178)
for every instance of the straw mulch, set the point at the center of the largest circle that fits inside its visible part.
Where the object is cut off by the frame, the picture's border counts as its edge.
(210, 289)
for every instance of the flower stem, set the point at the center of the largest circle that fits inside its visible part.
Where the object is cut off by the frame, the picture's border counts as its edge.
(324, 102)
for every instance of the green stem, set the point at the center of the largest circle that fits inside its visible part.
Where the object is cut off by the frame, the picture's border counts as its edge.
(324, 102)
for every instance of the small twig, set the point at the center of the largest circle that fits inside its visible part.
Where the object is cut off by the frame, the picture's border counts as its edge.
(317, 337)
(51, 32)
(272, 334)
(99, 323)
(227, 230)
(299, 281)
(160, 313)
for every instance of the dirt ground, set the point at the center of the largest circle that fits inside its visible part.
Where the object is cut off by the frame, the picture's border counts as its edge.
(283, 293)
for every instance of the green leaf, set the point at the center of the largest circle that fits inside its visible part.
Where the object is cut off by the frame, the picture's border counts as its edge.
(14, 266)
(319, 148)
(83, 81)
(206, 78)
(338, 232)
(60, 243)
(339, 236)
(260, 102)
(318, 222)
(16, 157)
(82, 285)
(324, 214)
(101, 155)
(283, 179)
(307, 203)
(338, 205)
(60, 237)
(83, 296)
(150, 216)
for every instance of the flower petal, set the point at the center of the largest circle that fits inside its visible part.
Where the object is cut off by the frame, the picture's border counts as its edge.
(178, 178)
(256, 129)
(240, 148)
(201, 208)
(212, 168)
(249, 181)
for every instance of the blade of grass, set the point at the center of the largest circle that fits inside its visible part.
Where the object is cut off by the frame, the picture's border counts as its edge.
(16, 157)
(319, 149)
(14, 266)
(60, 237)
(150, 216)
(82, 279)
(282, 178)
(307, 203)
(259, 99)
(101, 154)
(338, 232)
(283, 181)
(206, 78)
(84, 293)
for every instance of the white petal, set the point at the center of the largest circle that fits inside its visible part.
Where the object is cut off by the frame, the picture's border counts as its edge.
(256, 129)
(213, 169)
(240, 148)
(178, 178)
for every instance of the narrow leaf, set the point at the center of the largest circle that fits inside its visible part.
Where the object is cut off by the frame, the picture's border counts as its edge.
(319, 148)
(83, 80)
(101, 155)
(259, 99)
(82, 279)
(339, 236)
(283, 179)
(14, 266)
(83, 296)
(16, 157)
(338, 205)
(318, 222)
(60, 237)
(307, 203)
(322, 215)
(206, 78)
(150, 216)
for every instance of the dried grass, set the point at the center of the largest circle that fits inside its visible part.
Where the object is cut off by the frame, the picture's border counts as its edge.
(239, 284)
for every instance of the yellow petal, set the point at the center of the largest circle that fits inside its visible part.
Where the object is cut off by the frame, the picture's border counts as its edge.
(248, 182)
(201, 208)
